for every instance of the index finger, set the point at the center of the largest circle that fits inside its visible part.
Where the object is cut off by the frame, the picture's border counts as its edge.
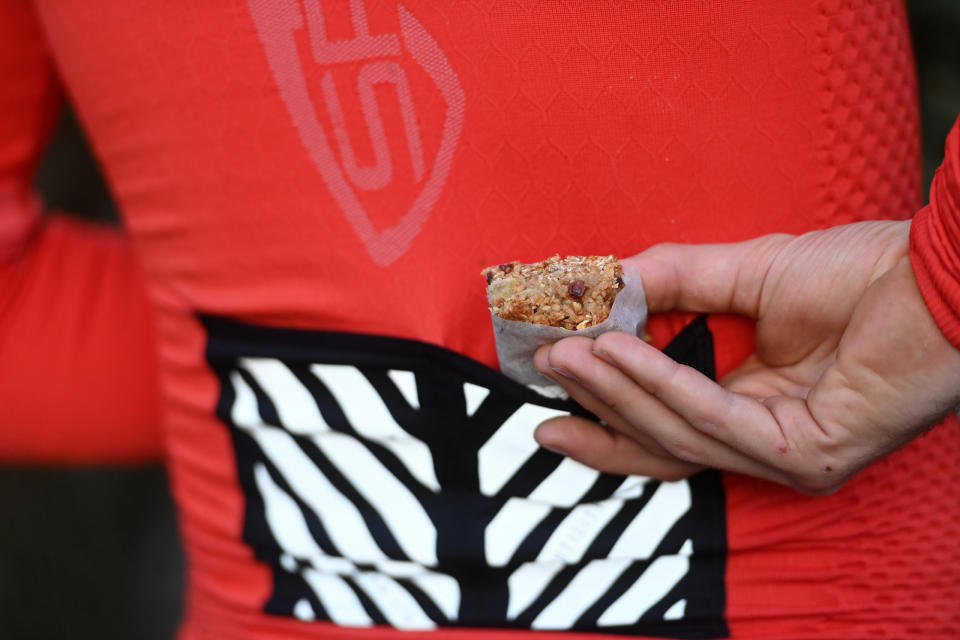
(742, 423)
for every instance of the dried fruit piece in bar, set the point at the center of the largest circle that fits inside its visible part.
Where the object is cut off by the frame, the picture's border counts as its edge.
(574, 292)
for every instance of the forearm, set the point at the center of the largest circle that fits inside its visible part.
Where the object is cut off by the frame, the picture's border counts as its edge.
(77, 370)
(77, 365)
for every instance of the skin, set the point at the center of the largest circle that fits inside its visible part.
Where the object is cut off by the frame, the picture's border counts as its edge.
(849, 364)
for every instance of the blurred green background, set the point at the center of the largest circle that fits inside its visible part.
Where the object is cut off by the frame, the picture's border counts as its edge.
(94, 553)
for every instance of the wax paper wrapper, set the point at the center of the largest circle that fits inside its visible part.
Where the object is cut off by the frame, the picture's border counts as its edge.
(517, 341)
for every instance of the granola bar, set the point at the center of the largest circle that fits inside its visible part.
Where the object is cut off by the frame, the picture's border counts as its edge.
(574, 292)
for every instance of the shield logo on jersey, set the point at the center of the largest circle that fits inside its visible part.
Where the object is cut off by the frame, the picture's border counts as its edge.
(360, 69)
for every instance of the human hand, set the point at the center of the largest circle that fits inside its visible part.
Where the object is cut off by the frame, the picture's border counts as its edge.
(849, 364)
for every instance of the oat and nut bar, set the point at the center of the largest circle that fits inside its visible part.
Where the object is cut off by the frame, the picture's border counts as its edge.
(574, 292)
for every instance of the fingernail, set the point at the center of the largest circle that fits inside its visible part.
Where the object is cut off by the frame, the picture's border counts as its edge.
(563, 372)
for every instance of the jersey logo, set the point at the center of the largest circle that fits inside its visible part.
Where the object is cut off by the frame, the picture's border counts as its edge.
(374, 60)
(390, 482)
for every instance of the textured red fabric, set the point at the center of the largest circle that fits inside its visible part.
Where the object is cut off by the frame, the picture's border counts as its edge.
(509, 131)
(935, 243)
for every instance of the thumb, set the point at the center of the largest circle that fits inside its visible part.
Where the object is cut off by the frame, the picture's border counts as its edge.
(706, 278)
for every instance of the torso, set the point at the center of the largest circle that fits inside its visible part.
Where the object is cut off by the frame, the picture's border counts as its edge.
(473, 134)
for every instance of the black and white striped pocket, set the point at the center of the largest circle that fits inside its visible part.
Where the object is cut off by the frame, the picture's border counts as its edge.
(393, 482)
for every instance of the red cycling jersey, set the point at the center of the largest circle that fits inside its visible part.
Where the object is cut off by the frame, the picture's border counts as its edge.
(935, 243)
(310, 188)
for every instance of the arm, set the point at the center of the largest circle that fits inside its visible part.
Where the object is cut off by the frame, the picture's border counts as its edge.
(935, 243)
(850, 363)
(77, 364)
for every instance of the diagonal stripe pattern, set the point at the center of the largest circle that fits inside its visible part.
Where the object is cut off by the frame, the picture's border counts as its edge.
(413, 495)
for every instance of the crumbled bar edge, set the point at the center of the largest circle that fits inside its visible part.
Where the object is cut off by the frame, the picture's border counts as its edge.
(573, 292)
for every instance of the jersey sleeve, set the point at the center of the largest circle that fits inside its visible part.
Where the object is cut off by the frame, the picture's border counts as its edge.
(935, 243)
(77, 364)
